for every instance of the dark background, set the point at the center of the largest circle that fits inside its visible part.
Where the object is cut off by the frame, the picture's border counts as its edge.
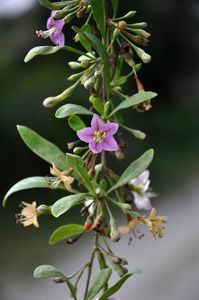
(171, 125)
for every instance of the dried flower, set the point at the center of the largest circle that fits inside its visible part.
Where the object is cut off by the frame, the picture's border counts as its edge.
(140, 190)
(99, 135)
(62, 176)
(54, 30)
(153, 223)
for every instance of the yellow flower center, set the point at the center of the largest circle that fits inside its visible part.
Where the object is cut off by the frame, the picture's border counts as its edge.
(99, 136)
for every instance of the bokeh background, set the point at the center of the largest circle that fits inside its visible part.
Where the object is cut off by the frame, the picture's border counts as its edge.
(170, 266)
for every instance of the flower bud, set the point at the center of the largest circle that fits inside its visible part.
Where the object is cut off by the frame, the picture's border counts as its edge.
(89, 83)
(74, 65)
(78, 150)
(115, 235)
(116, 33)
(146, 58)
(85, 63)
(121, 25)
(69, 17)
(52, 101)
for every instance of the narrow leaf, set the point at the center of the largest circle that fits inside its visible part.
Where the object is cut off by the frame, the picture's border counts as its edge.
(83, 41)
(71, 109)
(43, 148)
(133, 100)
(46, 271)
(98, 282)
(65, 232)
(113, 289)
(64, 204)
(76, 123)
(27, 183)
(98, 12)
(135, 169)
(115, 4)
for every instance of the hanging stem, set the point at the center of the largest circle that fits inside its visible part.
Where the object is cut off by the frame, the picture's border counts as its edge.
(90, 265)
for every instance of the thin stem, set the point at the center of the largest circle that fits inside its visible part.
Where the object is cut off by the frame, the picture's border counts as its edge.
(90, 265)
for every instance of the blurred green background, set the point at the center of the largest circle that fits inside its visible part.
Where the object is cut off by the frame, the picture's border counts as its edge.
(171, 125)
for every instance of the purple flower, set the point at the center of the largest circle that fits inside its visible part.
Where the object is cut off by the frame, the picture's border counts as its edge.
(99, 135)
(140, 187)
(54, 30)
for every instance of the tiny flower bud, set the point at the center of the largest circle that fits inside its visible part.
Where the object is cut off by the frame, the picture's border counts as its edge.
(89, 83)
(78, 150)
(85, 63)
(121, 25)
(115, 235)
(43, 209)
(116, 32)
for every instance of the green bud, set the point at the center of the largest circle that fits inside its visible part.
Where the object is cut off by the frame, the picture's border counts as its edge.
(130, 14)
(129, 61)
(116, 33)
(69, 17)
(85, 63)
(146, 58)
(44, 210)
(138, 25)
(52, 101)
(78, 150)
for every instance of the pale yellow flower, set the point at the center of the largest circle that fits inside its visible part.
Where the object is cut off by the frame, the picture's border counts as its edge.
(29, 214)
(62, 176)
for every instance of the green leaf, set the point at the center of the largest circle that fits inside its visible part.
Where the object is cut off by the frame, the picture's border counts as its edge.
(98, 282)
(64, 204)
(56, 5)
(101, 50)
(135, 169)
(85, 43)
(137, 133)
(46, 50)
(99, 106)
(76, 163)
(27, 183)
(46, 271)
(76, 123)
(115, 4)
(98, 12)
(65, 232)
(113, 289)
(70, 109)
(43, 148)
(133, 100)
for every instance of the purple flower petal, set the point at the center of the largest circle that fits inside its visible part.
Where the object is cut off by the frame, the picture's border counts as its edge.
(59, 25)
(96, 123)
(49, 23)
(86, 134)
(109, 143)
(95, 147)
(110, 128)
(61, 39)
